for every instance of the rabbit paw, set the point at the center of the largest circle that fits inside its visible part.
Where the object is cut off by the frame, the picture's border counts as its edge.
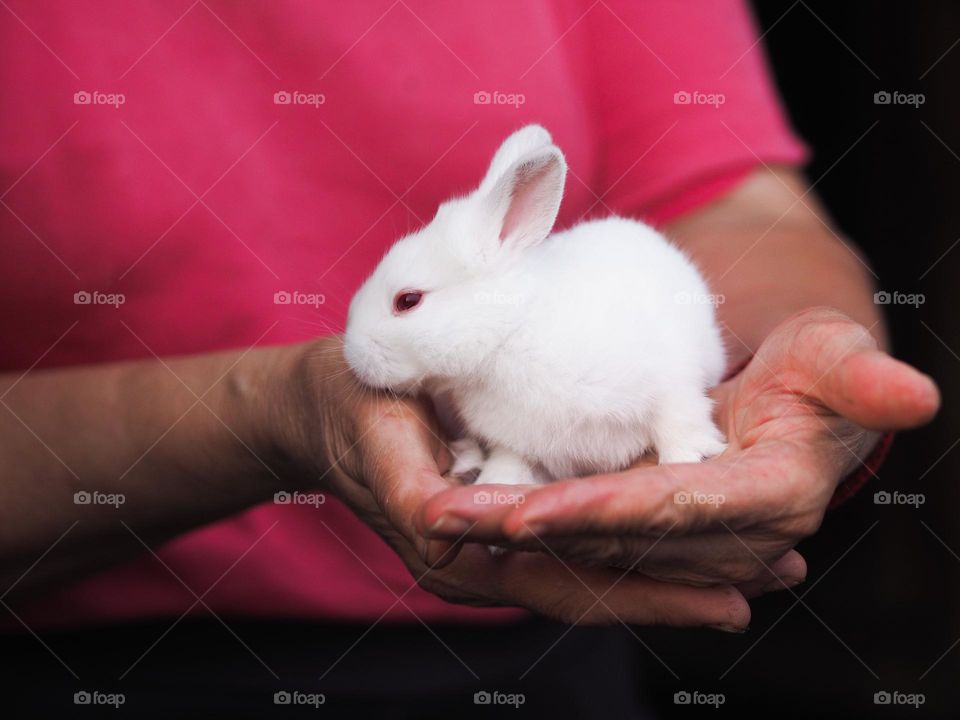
(691, 445)
(684, 431)
(504, 467)
(467, 459)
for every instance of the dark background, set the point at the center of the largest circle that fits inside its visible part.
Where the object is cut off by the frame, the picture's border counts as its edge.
(894, 600)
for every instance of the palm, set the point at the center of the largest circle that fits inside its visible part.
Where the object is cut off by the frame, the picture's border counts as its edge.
(798, 418)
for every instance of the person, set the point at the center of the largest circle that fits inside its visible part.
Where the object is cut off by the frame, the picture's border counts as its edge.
(190, 198)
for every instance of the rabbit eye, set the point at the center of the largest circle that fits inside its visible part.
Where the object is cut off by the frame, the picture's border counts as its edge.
(407, 300)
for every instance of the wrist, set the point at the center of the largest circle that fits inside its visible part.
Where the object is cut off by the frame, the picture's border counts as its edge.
(258, 408)
(307, 410)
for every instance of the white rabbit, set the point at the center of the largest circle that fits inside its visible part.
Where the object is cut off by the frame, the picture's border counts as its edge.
(565, 354)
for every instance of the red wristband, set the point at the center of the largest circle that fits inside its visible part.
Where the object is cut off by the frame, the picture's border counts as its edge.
(858, 478)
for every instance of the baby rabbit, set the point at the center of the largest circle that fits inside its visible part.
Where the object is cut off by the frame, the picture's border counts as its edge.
(564, 354)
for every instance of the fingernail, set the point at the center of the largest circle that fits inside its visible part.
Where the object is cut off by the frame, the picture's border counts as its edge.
(784, 583)
(449, 525)
(723, 627)
(438, 554)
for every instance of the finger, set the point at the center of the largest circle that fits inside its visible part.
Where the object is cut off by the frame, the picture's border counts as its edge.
(440, 553)
(825, 355)
(469, 509)
(787, 572)
(701, 560)
(403, 474)
(580, 595)
(651, 501)
(879, 392)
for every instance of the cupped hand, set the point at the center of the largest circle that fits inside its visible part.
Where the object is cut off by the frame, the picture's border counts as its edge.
(384, 457)
(801, 416)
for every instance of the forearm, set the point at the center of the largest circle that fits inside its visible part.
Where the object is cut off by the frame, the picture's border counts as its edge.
(767, 256)
(179, 441)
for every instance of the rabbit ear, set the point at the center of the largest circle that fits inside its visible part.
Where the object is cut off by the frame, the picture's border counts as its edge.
(523, 141)
(525, 200)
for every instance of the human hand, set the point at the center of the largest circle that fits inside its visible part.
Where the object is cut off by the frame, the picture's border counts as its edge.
(384, 457)
(803, 413)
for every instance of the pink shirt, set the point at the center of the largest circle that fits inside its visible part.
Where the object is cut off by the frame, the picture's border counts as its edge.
(659, 105)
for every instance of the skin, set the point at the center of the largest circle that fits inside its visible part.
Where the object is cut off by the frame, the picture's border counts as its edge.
(236, 427)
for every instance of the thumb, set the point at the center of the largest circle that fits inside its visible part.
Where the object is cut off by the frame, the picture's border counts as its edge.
(879, 392)
(824, 355)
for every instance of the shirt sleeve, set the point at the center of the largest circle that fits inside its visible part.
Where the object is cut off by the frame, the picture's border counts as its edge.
(684, 103)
